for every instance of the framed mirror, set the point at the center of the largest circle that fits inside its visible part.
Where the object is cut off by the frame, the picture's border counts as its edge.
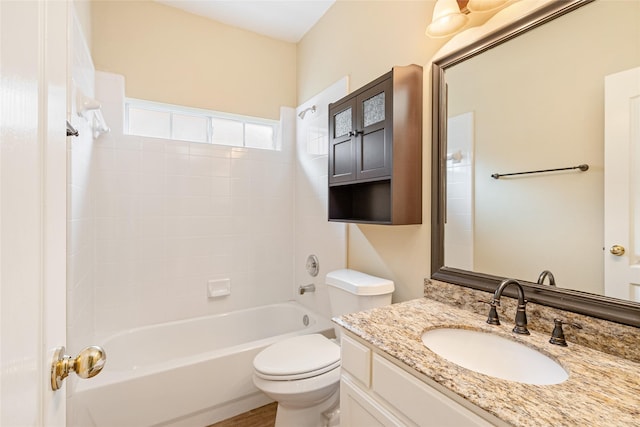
(530, 97)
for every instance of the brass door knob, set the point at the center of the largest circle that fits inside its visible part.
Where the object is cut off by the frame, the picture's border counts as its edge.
(87, 364)
(617, 250)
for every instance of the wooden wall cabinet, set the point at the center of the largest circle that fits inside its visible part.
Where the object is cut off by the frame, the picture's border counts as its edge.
(375, 151)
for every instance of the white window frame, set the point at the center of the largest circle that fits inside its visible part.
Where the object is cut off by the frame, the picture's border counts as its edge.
(207, 114)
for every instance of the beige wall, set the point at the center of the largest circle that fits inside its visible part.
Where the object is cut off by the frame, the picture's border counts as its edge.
(171, 56)
(363, 40)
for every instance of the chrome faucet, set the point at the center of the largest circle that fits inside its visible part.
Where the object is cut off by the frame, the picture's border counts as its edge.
(521, 313)
(307, 288)
(544, 275)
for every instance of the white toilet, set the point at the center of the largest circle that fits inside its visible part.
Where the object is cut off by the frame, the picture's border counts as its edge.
(303, 373)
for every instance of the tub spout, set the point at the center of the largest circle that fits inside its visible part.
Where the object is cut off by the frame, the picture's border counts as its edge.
(307, 288)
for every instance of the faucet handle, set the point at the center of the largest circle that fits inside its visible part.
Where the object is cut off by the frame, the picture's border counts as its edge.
(521, 319)
(493, 318)
(557, 336)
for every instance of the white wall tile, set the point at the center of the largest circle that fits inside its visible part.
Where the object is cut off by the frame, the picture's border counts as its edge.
(128, 160)
(163, 217)
(150, 145)
(177, 164)
(152, 205)
(200, 166)
(174, 214)
(152, 184)
(152, 162)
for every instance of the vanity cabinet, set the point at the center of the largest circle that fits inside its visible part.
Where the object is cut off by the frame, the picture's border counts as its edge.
(377, 392)
(375, 151)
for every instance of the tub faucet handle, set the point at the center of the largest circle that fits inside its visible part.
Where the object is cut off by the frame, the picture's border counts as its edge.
(307, 288)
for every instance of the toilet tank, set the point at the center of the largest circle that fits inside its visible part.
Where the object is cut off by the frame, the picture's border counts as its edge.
(351, 291)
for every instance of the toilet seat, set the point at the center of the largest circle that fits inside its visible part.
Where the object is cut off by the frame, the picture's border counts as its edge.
(296, 358)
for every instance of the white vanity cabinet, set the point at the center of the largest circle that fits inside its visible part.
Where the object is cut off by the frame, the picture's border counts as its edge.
(377, 392)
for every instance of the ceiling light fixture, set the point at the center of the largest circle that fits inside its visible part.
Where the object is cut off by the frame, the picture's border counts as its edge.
(484, 5)
(446, 20)
(450, 16)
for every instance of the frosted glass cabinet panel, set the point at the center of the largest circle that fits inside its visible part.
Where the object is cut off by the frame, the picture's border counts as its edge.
(343, 122)
(373, 109)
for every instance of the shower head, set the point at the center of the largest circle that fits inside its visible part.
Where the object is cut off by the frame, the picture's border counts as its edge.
(304, 112)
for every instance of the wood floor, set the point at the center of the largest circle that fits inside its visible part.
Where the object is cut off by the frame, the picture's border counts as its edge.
(265, 416)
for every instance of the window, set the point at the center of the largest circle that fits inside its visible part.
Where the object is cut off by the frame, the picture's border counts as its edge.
(146, 118)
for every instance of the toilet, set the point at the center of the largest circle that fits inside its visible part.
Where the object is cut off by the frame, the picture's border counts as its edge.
(303, 373)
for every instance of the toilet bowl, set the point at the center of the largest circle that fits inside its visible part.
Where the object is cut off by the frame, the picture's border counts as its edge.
(303, 373)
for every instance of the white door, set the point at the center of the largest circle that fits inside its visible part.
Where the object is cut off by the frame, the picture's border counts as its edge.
(622, 185)
(33, 97)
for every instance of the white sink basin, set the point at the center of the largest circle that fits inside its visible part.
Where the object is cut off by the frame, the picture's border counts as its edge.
(494, 355)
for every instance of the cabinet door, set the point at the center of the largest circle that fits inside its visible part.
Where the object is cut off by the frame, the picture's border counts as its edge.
(358, 409)
(418, 401)
(342, 149)
(374, 131)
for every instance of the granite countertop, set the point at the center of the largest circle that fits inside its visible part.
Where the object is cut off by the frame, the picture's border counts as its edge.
(602, 390)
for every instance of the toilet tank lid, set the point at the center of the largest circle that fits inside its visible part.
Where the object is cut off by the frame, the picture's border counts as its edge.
(359, 283)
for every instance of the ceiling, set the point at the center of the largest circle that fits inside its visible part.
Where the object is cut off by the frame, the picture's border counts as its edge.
(287, 20)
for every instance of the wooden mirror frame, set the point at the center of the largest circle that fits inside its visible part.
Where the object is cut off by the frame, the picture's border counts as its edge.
(617, 310)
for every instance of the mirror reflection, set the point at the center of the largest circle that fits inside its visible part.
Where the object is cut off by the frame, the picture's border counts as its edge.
(538, 102)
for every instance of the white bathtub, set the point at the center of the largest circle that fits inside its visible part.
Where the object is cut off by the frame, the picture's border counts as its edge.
(191, 372)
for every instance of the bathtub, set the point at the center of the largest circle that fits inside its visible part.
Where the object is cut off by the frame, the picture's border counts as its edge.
(190, 372)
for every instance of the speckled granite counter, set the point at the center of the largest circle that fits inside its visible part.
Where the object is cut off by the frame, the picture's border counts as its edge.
(602, 390)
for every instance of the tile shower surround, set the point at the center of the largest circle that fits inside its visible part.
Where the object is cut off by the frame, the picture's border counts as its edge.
(151, 220)
(170, 215)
